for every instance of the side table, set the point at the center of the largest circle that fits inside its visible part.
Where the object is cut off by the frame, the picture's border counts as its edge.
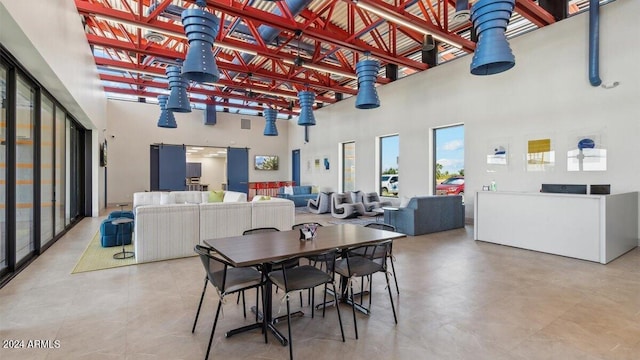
(123, 254)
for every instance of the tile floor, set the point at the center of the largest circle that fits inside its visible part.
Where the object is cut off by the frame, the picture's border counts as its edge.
(459, 299)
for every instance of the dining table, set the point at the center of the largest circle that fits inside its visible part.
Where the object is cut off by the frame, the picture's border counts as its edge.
(262, 249)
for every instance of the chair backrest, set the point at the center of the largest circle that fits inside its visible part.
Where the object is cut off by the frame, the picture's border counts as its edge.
(259, 230)
(301, 225)
(381, 226)
(379, 250)
(215, 267)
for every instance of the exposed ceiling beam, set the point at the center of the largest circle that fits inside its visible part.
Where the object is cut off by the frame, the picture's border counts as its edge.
(534, 13)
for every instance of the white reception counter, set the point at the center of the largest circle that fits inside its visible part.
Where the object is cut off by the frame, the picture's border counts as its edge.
(589, 227)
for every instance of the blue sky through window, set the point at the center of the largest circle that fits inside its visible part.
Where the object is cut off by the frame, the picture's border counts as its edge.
(450, 148)
(390, 146)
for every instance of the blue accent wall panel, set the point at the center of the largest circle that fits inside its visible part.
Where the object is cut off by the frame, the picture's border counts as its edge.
(172, 167)
(238, 169)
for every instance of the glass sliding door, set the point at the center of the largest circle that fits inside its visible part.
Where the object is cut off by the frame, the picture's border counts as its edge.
(348, 166)
(60, 170)
(3, 168)
(46, 170)
(75, 171)
(24, 186)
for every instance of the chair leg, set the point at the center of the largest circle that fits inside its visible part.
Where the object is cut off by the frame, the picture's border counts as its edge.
(289, 329)
(313, 301)
(257, 308)
(393, 270)
(264, 320)
(244, 305)
(213, 329)
(324, 299)
(204, 289)
(335, 299)
(395, 318)
(353, 309)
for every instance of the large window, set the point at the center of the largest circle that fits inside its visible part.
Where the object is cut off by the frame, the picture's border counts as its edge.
(40, 167)
(3, 167)
(389, 152)
(348, 166)
(24, 187)
(46, 170)
(60, 170)
(449, 160)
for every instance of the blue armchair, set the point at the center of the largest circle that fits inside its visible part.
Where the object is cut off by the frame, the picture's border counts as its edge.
(427, 214)
(112, 235)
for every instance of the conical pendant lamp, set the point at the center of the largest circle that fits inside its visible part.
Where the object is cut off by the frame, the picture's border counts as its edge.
(493, 54)
(270, 128)
(166, 120)
(178, 99)
(201, 28)
(306, 117)
(367, 71)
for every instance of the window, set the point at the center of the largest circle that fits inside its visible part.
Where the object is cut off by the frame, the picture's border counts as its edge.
(25, 121)
(389, 151)
(46, 170)
(448, 160)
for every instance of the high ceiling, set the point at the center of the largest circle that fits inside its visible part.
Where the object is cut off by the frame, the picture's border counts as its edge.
(267, 51)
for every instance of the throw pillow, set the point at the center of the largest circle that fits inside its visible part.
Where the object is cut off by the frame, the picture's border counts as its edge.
(288, 190)
(405, 201)
(216, 196)
(314, 189)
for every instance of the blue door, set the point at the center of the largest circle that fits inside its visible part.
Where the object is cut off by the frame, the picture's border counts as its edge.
(295, 166)
(172, 167)
(238, 169)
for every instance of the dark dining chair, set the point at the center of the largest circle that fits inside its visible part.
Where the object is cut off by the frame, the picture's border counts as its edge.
(387, 227)
(305, 277)
(293, 262)
(226, 279)
(359, 262)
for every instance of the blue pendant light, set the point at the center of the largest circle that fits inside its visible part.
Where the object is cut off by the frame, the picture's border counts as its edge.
(306, 117)
(201, 28)
(167, 120)
(270, 125)
(178, 100)
(367, 71)
(493, 54)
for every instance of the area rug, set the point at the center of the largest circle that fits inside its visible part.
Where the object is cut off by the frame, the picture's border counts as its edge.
(95, 257)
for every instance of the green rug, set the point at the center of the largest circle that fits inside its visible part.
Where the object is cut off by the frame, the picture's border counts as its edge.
(95, 257)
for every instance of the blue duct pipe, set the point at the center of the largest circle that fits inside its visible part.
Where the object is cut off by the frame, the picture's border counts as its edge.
(268, 33)
(594, 43)
(462, 5)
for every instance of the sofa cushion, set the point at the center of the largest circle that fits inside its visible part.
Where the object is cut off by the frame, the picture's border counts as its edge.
(288, 190)
(234, 196)
(215, 196)
(166, 198)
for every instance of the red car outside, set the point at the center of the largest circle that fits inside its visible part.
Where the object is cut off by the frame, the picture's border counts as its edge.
(451, 186)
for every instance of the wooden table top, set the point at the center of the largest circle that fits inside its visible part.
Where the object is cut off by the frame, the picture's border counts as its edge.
(261, 248)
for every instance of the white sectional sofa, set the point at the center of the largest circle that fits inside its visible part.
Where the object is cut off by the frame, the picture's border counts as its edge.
(169, 224)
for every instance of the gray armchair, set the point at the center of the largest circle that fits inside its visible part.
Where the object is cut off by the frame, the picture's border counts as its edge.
(427, 214)
(342, 206)
(321, 204)
(372, 201)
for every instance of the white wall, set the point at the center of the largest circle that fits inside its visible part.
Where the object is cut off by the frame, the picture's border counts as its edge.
(48, 39)
(547, 94)
(214, 170)
(131, 129)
